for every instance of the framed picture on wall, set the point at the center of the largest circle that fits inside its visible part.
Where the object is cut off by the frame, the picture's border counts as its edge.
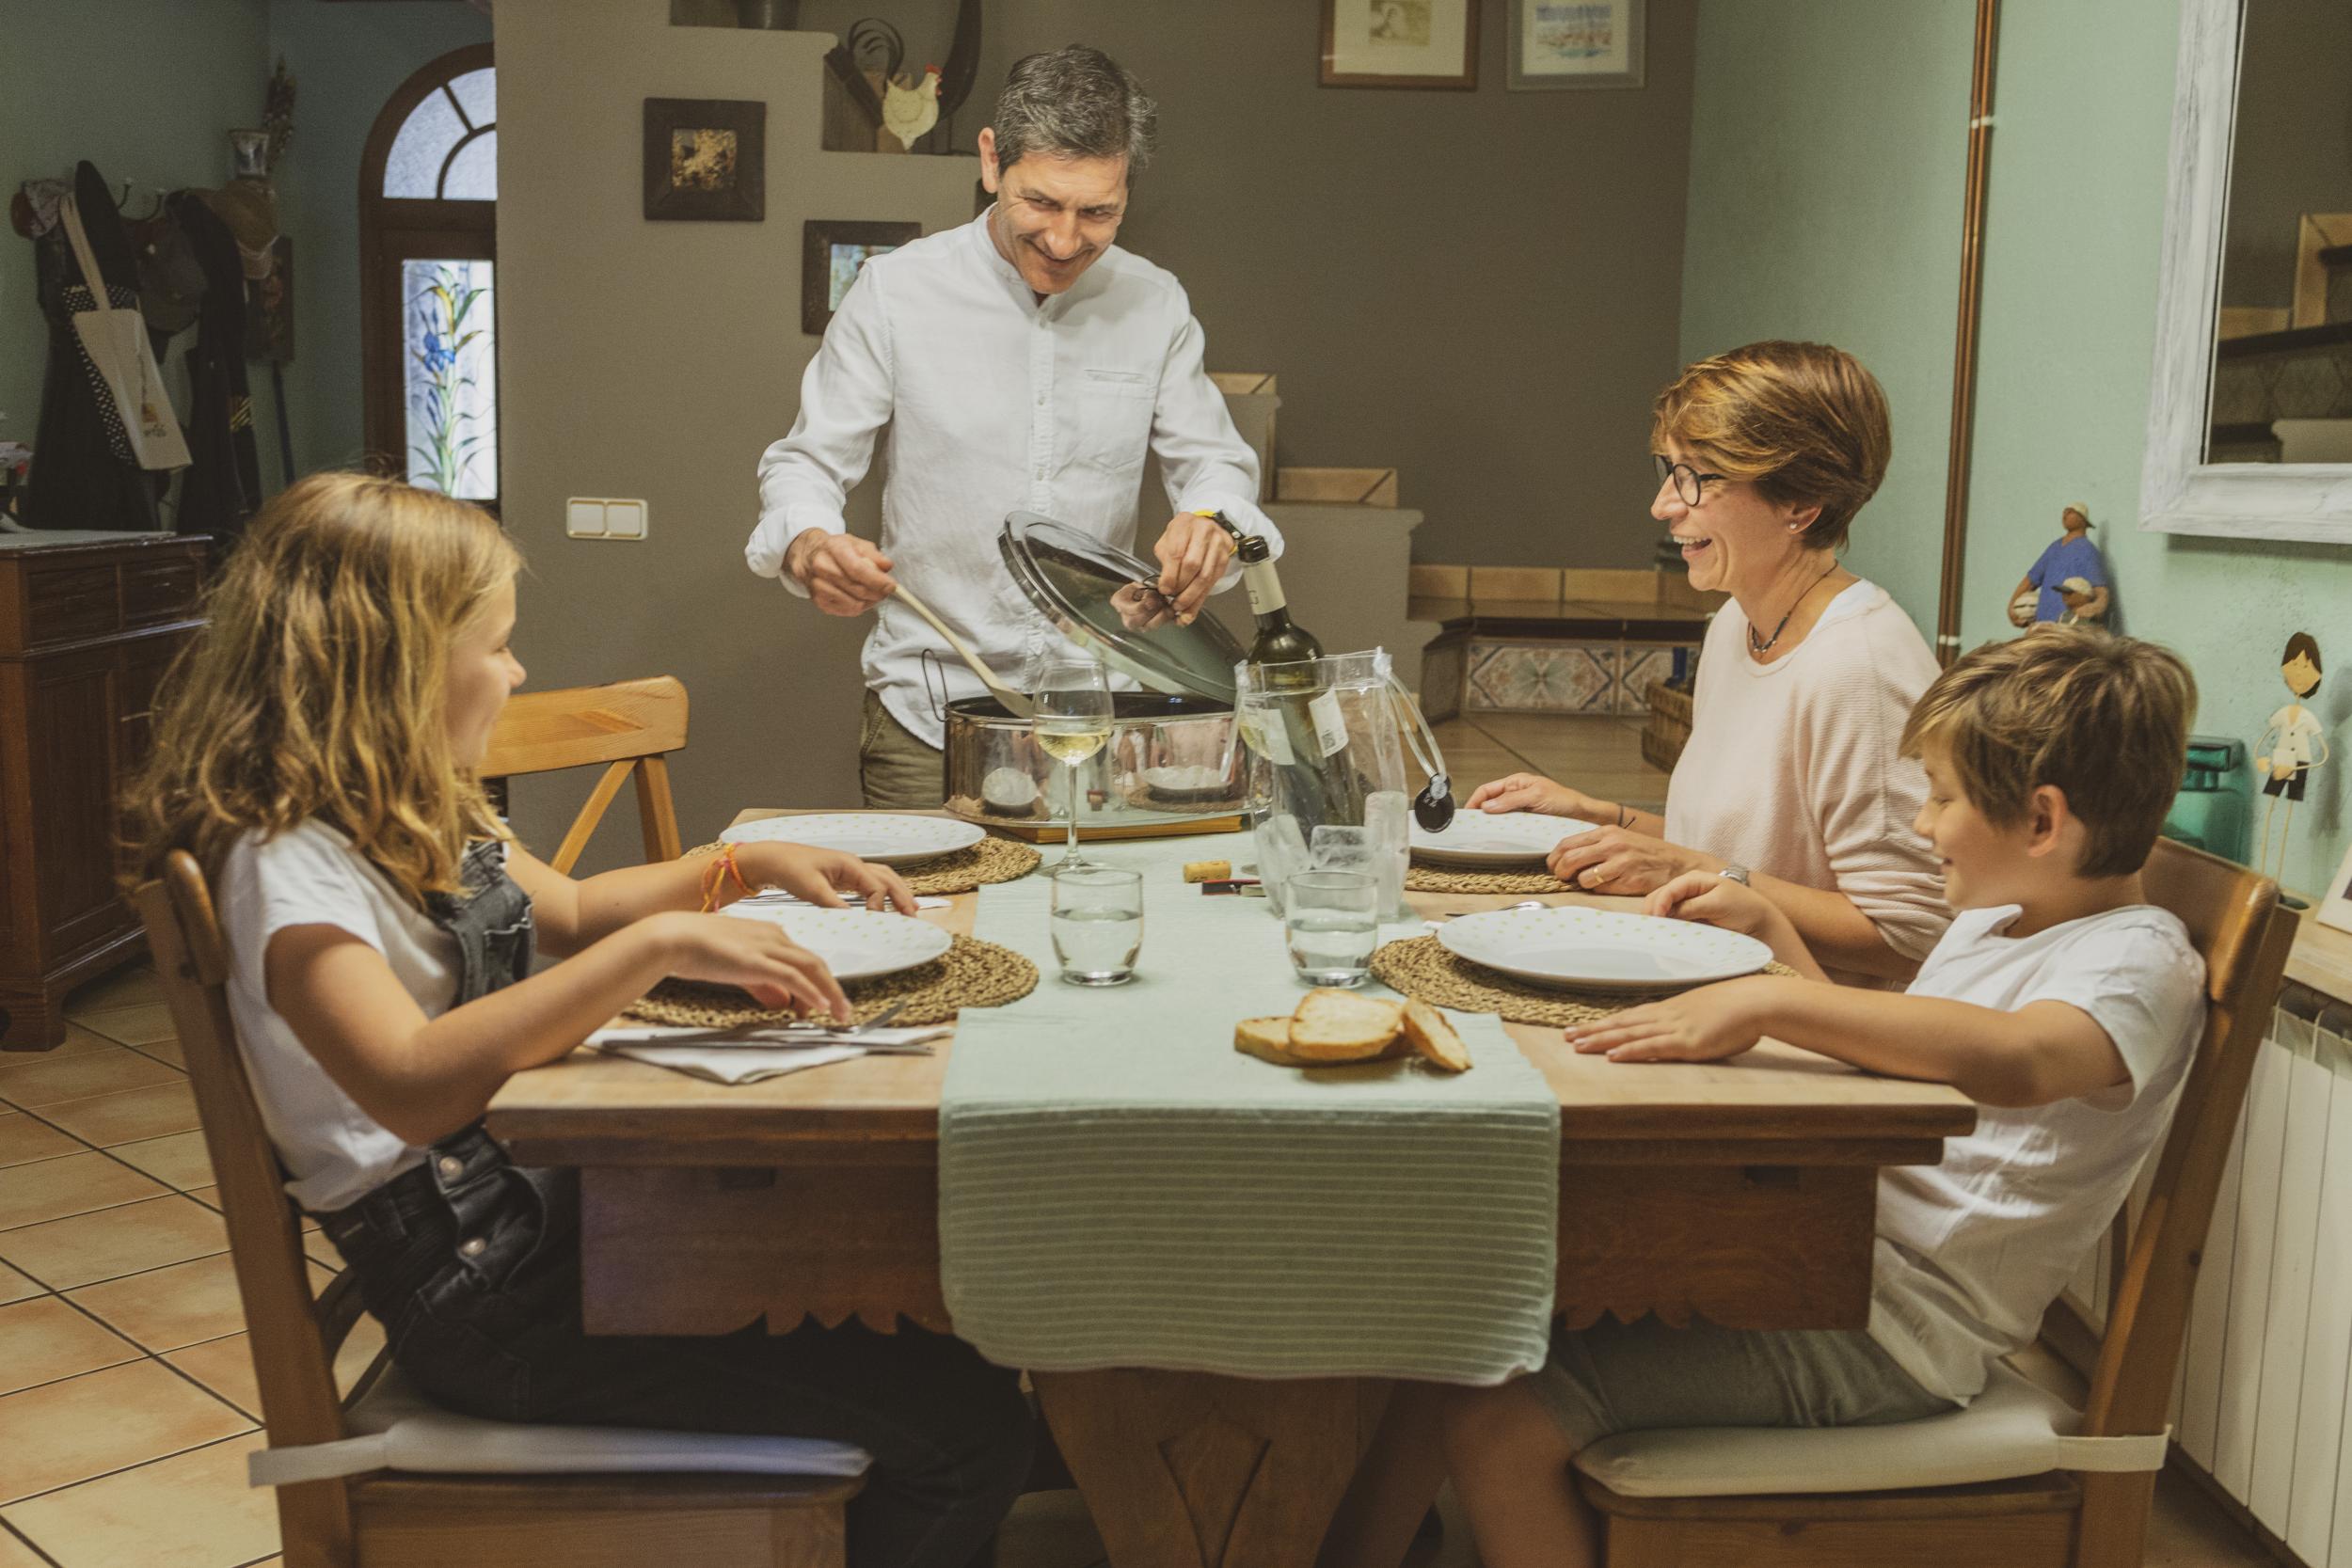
(2335, 904)
(832, 252)
(707, 159)
(1400, 43)
(1575, 43)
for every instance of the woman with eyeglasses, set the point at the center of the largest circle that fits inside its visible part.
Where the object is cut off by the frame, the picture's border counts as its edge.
(1792, 782)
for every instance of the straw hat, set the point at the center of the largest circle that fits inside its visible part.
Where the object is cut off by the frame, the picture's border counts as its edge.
(249, 209)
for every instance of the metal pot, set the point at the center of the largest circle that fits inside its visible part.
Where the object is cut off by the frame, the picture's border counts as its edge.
(1170, 759)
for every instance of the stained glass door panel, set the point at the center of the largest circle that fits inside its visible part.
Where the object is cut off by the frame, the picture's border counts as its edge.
(450, 355)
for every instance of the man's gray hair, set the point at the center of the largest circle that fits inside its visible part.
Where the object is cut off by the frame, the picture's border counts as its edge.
(1074, 102)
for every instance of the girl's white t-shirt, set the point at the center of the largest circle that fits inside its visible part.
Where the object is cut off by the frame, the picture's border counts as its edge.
(1971, 1252)
(311, 875)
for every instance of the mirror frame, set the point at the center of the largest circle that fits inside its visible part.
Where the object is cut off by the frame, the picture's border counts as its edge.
(2179, 491)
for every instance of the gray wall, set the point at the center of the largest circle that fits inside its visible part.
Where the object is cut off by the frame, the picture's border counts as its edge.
(2293, 151)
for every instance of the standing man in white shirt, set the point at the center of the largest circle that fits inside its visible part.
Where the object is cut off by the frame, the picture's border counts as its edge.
(1021, 362)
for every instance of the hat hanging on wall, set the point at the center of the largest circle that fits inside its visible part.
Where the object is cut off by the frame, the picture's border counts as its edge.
(249, 209)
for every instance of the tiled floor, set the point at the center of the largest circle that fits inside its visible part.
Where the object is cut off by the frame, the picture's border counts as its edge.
(127, 1401)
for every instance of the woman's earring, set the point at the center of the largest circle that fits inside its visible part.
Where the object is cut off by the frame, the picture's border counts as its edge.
(1796, 528)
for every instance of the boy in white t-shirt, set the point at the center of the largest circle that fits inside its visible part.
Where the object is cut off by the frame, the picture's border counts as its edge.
(2059, 1000)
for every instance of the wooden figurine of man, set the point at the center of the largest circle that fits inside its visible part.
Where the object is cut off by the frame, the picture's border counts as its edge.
(2069, 583)
(2291, 746)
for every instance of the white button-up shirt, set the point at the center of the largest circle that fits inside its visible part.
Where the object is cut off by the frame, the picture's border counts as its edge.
(996, 401)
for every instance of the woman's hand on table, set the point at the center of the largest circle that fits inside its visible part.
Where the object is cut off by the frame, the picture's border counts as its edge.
(1618, 860)
(1535, 793)
(822, 876)
(761, 958)
(1703, 1025)
(1714, 901)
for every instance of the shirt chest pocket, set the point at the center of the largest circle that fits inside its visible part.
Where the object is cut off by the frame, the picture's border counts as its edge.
(1114, 418)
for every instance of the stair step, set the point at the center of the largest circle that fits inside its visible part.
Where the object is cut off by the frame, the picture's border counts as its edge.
(1340, 487)
(1243, 383)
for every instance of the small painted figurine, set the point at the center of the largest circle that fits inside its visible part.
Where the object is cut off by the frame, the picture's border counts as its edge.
(2291, 746)
(2069, 583)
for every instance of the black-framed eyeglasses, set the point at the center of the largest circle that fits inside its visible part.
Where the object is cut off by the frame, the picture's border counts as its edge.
(1687, 482)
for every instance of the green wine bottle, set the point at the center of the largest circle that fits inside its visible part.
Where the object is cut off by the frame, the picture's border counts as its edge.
(1279, 639)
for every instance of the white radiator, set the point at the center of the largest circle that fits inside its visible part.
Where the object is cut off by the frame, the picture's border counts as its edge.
(2263, 1389)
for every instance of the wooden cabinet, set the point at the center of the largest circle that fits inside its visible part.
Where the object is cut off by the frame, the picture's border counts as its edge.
(89, 623)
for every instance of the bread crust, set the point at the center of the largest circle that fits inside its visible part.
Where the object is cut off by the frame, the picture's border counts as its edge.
(1434, 1039)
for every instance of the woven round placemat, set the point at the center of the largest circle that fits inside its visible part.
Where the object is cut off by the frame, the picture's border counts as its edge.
(1431, 878)
(971, 973)
(991, 860)
(1421, 967)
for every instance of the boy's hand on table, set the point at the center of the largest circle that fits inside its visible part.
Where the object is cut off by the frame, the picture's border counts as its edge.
(1703, 1025)
(822, 876)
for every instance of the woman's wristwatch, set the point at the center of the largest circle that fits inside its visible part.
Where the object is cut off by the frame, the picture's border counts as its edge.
(1734, 872)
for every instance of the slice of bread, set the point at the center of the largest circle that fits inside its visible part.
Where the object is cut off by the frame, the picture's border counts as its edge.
(1434, 1037)
(1266, 1037)
(1334, 1026)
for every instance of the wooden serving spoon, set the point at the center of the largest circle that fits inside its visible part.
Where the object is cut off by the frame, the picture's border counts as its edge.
(1012, 702)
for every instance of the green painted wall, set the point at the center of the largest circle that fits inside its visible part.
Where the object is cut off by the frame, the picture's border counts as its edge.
(1864, 239)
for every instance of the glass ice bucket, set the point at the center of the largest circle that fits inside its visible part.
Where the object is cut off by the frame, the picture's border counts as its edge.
(1328, 788)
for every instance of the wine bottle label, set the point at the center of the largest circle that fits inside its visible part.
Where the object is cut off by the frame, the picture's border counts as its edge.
(1264, 587)
(1331, 723)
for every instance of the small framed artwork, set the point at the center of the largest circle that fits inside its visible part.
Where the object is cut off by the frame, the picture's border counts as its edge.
(831, 254)
(705, 159)
(1400, 43)
(1575, 43)
(2335, 904)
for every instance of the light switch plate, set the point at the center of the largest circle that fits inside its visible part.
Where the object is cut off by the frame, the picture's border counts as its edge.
(583, 518)
(624, 519)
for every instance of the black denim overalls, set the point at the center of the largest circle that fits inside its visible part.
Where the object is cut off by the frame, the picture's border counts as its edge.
(471, 1263)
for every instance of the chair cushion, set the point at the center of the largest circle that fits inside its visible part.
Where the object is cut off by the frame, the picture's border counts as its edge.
(2014, 1428)
(394, 1428)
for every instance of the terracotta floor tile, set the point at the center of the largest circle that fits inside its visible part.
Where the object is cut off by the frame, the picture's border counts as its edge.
(48, 1339)
(128, 986)
(24, 1137)
(53, 1080)
(191, 1511)
(15, 1287)
(72, 1184)
(165, 1050)
(63, 1432)
(154, 1112)
(87, 1248)
(136, 1025)
(171, 1308)
(225, 1367)
(179, 1160)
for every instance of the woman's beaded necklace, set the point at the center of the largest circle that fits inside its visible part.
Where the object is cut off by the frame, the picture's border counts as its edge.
(1767, 645)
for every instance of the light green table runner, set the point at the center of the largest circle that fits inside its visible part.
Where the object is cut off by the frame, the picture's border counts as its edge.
(1120, 1187)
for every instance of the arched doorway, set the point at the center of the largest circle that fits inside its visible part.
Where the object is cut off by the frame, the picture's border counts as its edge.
(428, 307)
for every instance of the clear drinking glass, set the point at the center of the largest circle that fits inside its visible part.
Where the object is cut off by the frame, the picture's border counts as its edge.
(1330, 920)
(1071, 722)
(1098, 923)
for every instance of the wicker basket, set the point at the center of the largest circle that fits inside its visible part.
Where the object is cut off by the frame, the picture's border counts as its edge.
(1669, 727)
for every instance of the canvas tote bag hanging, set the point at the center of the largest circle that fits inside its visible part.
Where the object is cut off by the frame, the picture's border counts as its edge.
(132, 404)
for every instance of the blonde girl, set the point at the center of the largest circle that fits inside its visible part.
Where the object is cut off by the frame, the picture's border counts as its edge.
(317, 753)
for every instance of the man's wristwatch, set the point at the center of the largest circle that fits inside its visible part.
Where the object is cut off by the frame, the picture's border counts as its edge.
(1736, 873)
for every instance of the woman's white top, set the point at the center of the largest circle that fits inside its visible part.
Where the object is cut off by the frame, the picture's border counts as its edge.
(311, 875)
(1793, 769)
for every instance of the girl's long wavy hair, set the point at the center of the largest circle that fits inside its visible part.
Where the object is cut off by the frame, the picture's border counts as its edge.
(319, 686)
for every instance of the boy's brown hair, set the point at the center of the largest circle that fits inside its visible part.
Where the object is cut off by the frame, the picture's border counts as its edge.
(2101, 717)
(1804, 422)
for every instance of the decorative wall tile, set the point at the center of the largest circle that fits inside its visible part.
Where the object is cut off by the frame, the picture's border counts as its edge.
(1568, 678)
(1641, 665)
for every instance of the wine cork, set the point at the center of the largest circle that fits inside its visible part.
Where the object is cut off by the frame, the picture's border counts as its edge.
(1208, 871)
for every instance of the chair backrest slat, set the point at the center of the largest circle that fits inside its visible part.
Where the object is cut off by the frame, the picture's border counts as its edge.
(2233, 917)
(628, 725)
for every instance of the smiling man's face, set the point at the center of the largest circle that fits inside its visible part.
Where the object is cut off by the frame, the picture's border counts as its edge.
(1053, 217)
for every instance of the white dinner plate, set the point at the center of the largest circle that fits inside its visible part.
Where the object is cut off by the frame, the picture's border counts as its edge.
(856, 945)
(1602, 949)
(885, 838)
(1505, 838)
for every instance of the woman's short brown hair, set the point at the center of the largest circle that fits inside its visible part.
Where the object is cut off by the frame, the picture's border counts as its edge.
(2101, 717)
(1803, 423)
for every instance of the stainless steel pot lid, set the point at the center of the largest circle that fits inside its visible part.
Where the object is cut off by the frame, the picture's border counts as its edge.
(1110, 603)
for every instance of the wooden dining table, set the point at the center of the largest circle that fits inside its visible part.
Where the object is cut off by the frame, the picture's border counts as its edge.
(1743, 1193)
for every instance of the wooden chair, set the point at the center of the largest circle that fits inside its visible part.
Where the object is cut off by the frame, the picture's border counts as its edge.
(2061, 1518)
(628, 725)
(394, 1519)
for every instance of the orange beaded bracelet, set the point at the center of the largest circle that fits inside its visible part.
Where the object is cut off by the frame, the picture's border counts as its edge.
(715, 877)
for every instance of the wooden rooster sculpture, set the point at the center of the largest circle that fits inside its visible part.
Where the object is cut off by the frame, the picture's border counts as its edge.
(910, 111)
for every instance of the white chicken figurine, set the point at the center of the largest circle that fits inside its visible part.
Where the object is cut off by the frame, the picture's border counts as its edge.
(908, 112)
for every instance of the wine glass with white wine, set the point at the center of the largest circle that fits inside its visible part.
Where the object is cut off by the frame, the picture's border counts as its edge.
(1072, 723)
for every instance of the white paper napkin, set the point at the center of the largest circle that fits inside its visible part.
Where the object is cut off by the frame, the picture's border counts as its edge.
(633, 1035)
(736, 1064)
